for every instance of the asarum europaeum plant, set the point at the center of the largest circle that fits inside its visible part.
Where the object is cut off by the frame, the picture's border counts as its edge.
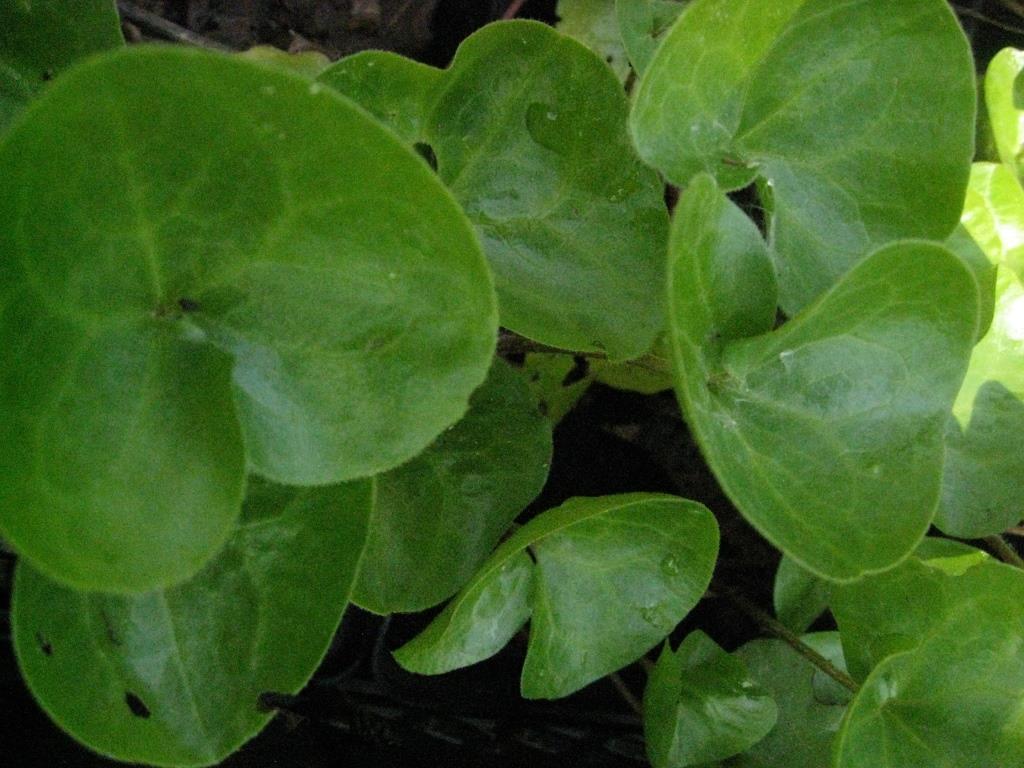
(249, 319)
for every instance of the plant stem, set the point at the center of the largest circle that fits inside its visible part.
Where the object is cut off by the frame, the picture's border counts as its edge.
(161, 27)
(1004, 551)
(972, 13)
(781, 631)
(627, 695)
(513, 9)
(513, 344)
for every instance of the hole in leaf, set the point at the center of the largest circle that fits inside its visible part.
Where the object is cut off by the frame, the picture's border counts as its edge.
(188, 305)
(426, 151)
(44, 645)
(47, 75)
(136, 705)
(542, 408)
(578, 372)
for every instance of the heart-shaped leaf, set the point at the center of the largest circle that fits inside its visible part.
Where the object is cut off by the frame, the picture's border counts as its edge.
(847, 110)
(528, 129)
(214, 206)
(956, 699)
(609, 578)
(701, 705)
(437, 517)
(643, 24)
(828, 432)
(39, 40)
(175, 676)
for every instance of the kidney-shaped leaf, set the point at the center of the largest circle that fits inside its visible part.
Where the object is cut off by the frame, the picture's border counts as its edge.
(1005, 110)
(609, 578)
(828, 432)
(210, 208)
(956, 699)
(528, 129)
(174, 677)
(437, 517)
(700, 705)
(847, 109)
(38, 40)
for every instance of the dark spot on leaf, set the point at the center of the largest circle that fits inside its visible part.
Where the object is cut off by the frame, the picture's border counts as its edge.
(47, 75)
(136, 705)
(535, 376)
(609, 59)
(542, 408)
(188, 305)
(426, 151)
(44, 644)
(109, 626)
(578, 372)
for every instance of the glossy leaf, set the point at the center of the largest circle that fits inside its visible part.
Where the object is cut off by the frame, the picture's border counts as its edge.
(701, 705)
(39, 40)
(891, 612)
(799, 597)
(956, 699)
(438, 517)
(609, 578)
(342, 281)
(595, 24)
(985, 439)
(643, 24)
(807, 719)
(528, 131)
(1005, 109)
(174, 677)
(846, 110)
(826, 433)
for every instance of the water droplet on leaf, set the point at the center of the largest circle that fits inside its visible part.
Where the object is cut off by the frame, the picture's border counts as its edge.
(669, 565)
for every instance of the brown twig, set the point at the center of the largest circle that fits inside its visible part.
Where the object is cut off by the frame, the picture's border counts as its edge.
(781, 631)
(1004, 551)
(984, 19)
(627, 695)
(168, 30)
(513, 9)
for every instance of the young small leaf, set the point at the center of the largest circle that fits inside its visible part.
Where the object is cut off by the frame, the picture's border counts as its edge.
(39, 40)
(828, 432)
(847, 110)
(528, 128)
(175, 676)
(611, 576)
(701, 705)
(643, 24)
(807, 719)
(437, 517)
(208, 209)
(1005, 109)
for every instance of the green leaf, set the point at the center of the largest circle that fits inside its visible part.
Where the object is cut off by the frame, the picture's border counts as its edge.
(701, 705)
(40, 39)
(609, 578)
(827, 433)
(648, 375)
(595, 24)
(890, 612)
(985, 439)
(643, 24)
(557, 381)
(174, 677)
(845, 110)
(956, 700)
(807, 718)
(438, 517)
(397, 91)
(799, 596)
(528, 128)
(208, 207)
(1005, 108)
(308, 63)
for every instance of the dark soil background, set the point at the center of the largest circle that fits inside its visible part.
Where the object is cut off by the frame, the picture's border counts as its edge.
(361, 709)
